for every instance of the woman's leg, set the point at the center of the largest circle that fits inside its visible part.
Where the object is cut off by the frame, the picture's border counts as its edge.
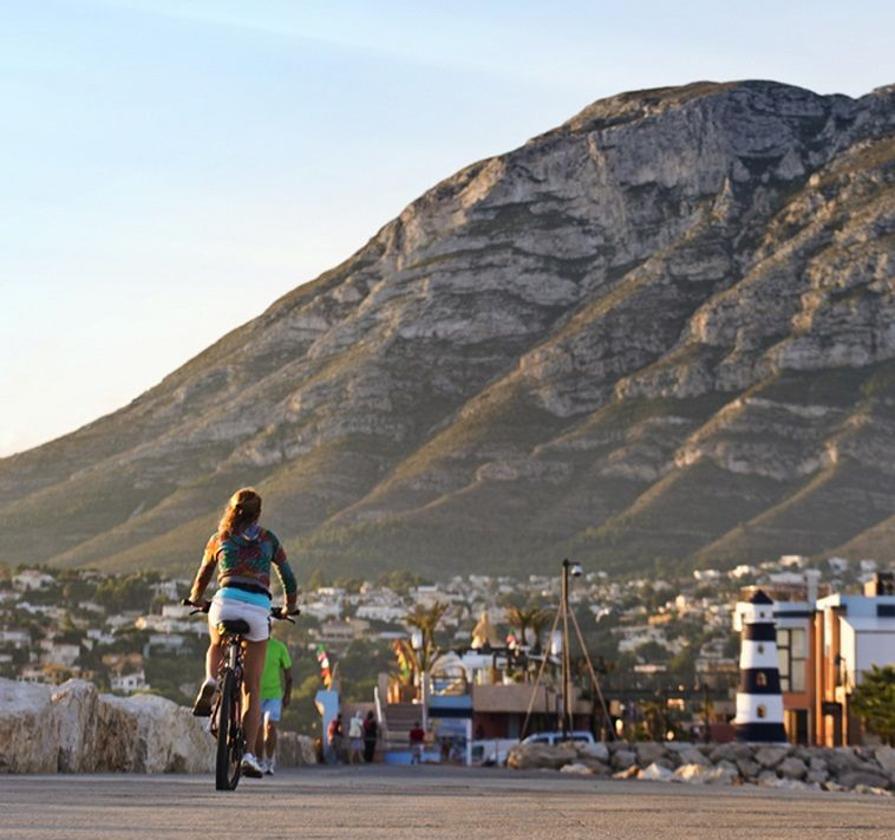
(214, 654)
(251, 686)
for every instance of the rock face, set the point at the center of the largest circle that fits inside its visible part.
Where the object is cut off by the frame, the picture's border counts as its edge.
(795, 768)
(662, 330)
(75, 729)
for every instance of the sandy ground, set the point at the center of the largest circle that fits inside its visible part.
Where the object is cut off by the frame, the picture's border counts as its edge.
(428, 802)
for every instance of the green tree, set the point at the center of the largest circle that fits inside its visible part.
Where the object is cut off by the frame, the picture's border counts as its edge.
(874, 702)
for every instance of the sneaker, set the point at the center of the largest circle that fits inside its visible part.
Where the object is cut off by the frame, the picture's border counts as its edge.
(268, 767)
(251, 767)
(202, 706)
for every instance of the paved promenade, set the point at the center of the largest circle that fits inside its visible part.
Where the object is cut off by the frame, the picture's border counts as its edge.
(428, 802)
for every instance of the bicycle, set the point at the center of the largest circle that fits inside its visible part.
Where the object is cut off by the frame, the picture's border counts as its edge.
(226, 712)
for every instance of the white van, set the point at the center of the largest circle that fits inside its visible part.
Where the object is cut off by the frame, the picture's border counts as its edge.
(556, 737)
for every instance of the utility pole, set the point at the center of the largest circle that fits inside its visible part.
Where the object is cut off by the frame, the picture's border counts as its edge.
(566, 654)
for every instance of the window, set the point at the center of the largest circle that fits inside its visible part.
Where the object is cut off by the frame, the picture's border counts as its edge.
(761, 711)
(761, 648)
(761, 679)
(792, 656)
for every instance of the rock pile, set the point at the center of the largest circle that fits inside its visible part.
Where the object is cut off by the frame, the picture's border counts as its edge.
(75, 729)
(861, 769)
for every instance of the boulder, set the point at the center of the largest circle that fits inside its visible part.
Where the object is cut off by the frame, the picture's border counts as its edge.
(772, 781)
(27, 743)
(875, 791)
(599, 768)
(792, 768)
(631, 772)
(75, 729)
(748, 768)
(817, 763)
(541, 756)
(649, 752)
(733, 751)
(694, 756)
(294, 750)
(853, 778)
(158, 736)
(770, 757)
(692, 773)
(885, 757)
(598, 751)
(730, 768)
(577, 769)
(623, 759)
(842, 760)
(816, 777)
(656, 773)
(615, 746)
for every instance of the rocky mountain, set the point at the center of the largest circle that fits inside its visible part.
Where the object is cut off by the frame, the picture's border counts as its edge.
(661, 333)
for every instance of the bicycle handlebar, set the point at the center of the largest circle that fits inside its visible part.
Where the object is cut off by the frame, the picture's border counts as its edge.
(279, 613)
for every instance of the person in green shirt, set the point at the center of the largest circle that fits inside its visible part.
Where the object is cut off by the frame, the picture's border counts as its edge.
(276, 692)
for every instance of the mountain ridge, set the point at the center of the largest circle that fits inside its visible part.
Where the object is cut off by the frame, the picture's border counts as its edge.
(581, 345)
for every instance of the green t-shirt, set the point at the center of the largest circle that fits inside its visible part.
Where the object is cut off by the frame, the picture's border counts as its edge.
(275, 661)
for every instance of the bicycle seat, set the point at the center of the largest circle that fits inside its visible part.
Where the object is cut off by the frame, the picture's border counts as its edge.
(233, 627)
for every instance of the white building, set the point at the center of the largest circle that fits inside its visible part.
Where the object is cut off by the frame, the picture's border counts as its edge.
(29, 580)
(59, 653)
(129, 683)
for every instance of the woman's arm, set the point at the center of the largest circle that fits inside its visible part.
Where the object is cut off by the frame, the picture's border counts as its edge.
(206, 570)
(286, 576)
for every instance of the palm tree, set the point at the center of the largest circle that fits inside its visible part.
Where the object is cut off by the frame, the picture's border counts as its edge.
(425, 652)
(426, 621)
(539, 621)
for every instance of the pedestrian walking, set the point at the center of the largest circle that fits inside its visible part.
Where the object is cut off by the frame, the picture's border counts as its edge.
(276, 692)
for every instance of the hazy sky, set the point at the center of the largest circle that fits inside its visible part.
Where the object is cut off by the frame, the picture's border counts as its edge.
(170, 167)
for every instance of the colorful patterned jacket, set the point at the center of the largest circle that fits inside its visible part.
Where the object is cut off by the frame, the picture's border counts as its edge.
(245, 559)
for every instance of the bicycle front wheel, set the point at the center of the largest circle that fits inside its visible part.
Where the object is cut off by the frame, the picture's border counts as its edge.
(229, 749)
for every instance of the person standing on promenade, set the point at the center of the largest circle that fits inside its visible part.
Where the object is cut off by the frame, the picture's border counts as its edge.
(276, 693)
(334, 739)
(371, 734)
(356, 738)
(417, 737)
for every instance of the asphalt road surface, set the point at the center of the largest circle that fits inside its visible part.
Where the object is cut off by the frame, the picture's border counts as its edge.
(425, 802)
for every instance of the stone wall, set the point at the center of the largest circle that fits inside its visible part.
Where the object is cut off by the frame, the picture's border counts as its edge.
(862, 769)
(75, 729)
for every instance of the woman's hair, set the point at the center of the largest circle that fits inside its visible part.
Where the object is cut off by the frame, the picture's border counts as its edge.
(242, 510)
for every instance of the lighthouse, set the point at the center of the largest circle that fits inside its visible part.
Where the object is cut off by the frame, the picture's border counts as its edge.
(759, 715)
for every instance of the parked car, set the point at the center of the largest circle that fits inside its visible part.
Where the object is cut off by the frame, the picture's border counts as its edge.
(556, 737)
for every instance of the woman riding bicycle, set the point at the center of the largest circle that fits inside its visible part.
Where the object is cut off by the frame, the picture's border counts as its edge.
(243, 553)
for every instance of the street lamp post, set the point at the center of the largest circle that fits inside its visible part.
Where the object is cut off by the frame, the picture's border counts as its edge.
(418, 643)
(573, 570)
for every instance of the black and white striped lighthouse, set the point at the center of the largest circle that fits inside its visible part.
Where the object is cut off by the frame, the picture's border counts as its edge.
(759, 715)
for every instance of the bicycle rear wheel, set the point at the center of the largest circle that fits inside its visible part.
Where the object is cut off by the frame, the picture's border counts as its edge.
(229, 750)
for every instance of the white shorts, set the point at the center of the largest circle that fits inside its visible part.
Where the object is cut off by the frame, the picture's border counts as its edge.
(258, 618)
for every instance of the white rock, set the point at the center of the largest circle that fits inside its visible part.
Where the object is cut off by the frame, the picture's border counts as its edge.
(576, 769)
(76, 729)
(27, 743)
(656, 773)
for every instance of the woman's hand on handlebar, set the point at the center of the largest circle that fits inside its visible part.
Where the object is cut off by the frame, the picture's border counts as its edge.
(200, 605)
